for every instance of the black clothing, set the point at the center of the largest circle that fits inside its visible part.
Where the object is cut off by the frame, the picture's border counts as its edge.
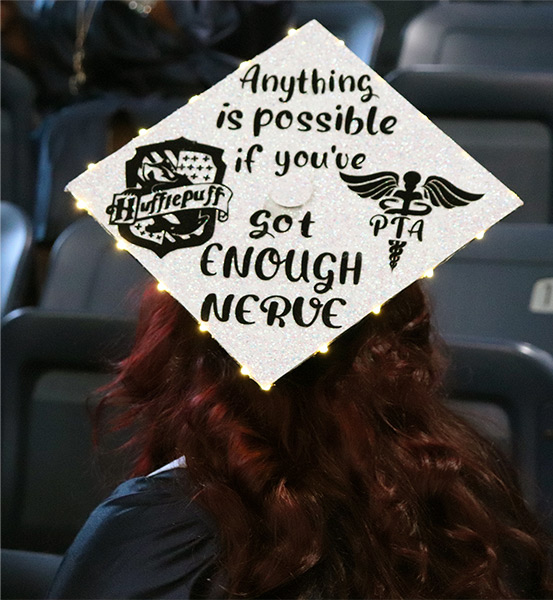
(147, 540)
(126, 52)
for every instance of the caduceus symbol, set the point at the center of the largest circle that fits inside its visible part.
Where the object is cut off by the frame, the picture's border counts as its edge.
(407, 200)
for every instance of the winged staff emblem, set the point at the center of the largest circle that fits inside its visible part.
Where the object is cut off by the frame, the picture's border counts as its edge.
(400, 202)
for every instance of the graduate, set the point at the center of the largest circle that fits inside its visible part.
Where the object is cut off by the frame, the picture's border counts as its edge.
(284, 393)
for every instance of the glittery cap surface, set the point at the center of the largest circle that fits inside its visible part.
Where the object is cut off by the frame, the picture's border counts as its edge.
(291, 199)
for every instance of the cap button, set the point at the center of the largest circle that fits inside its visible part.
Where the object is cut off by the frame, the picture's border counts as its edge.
(292, 190)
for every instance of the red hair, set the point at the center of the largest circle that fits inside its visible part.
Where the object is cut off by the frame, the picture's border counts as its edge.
(349, 479)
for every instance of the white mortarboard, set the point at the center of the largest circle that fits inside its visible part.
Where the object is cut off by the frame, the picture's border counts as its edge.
(291, 199)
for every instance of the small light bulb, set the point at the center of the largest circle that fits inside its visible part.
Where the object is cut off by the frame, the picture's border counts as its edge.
(480, 235)
(376, 310)
(81, 205)
(341, 43)
(244, 64)
(265, 386)
(193, 99)
(90, 166)
(429, 273)
(142, 131)
(121, 245)
(161, 287)
(292, 31)
(203, 326)
(323, 349)
(244, 370)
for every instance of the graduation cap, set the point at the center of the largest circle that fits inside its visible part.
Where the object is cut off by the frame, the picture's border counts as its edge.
(291, 199)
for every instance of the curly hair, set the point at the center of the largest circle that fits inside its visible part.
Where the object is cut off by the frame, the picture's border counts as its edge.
(349, 479)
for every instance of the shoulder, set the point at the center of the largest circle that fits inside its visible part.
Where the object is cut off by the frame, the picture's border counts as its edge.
(148, 539)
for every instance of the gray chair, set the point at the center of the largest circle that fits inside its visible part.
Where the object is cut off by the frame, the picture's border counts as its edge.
(513, 35)
(87, 274)
(16, 245)
(27, 574)
(18, 164)
(517, 380)
(49, 477)
(359, 24)
(77, 135)
(52, 477)
(500, 287)
(504, 120)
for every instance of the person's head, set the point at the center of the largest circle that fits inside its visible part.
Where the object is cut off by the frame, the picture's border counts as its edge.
(349, 476)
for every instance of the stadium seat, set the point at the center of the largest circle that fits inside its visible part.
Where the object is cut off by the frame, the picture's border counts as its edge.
(503, 120)
(359, 24)
(18, 121)
(15, 247)
(7, 168)
(499, 287)
(27, 574)
(87, 274)
(51, 476)
(76, 136)
(516, 379)
(513, 35)
(50, 480)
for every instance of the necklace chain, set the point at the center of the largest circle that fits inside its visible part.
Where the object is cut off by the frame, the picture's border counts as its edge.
(83, 21)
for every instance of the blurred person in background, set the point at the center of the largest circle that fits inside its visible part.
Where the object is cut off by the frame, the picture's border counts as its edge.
(76, 49)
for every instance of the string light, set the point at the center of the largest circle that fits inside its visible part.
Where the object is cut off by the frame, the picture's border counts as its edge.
(90, 166)
(161, 287)
(193, 99)
(265, 386)
(142, 131)
(81, 205)
(292, 31)
(323, 349)
(244, 64)
(376, 310)
(245, 371)
(341, 43)
(121, 245)
(429, 273)
(480, 235)
(203, 326)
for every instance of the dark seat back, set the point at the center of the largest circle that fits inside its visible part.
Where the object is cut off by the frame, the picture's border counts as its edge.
(503, 120)
(17, 149)
(87, 274)
(51, 363)
(501, 287)
(16, 244)
(51, 478)
(74, 137)
(27, 574)
(359, 24)
(514, 35)
(518, 379)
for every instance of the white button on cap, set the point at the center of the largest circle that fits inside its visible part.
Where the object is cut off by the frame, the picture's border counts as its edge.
(292, 191)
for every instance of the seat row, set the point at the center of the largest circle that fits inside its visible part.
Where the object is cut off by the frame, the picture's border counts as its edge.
(50, 473)
(500, 286)
(493, 302)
